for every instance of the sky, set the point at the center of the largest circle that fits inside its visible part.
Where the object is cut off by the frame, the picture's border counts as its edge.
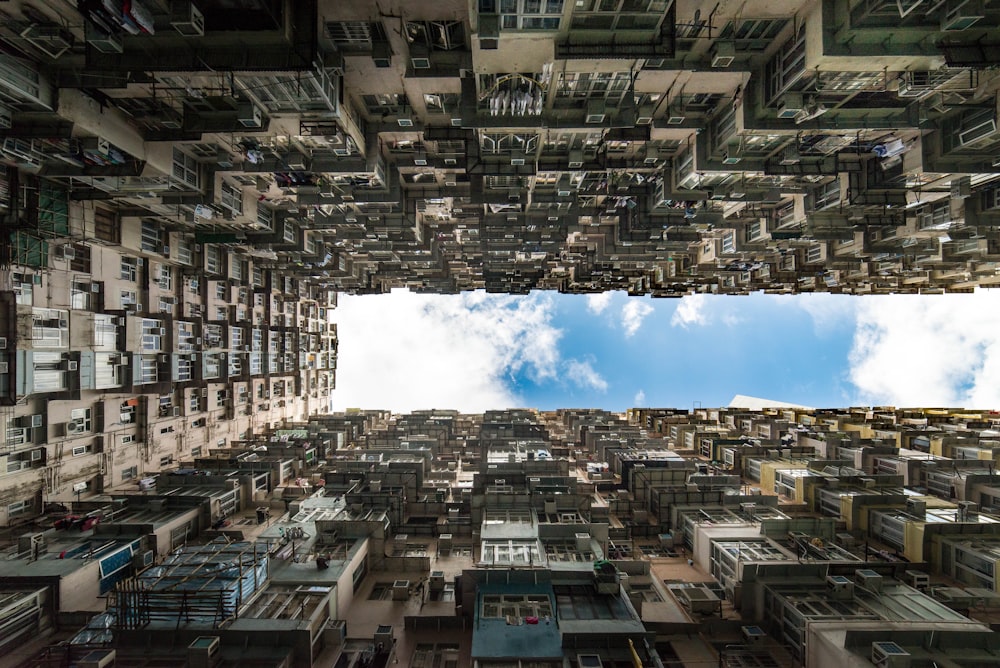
(475, 351)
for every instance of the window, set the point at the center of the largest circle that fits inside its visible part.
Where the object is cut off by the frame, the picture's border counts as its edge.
(358, 577)
(752, 34)
(185, 169)
(436, 35)
(81, 418)
(728, 243)
(152, 335)
(196, 451)
(232, 198)
(106, 227)
(355, 35)
(18, 508)
(441, 103)
(213, 264)
(265, 218)
(129, 269)
(166, 277)
(525, 14)
(129, 473)
(185, 254)
(150, 237)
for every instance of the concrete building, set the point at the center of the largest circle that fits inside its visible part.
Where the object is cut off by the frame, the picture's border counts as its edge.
(534, 543)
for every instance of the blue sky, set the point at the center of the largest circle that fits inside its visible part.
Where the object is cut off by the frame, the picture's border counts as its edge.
(475, 351)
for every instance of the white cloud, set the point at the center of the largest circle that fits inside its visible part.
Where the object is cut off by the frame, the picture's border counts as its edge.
(598, 302)
(583, 374)
(928, 350)
(639, 399)
(633, 313)
(827, 311)
(405, 351)
(690, 311)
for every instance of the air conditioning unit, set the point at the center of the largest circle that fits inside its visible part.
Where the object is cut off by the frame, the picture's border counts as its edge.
(177, 411)
(187, 19)
(596, 111)
(74, 427)
(791, 105)
(723, 54)
(405, 119)
(202, 652)
(962, 14)
(164, 359)
(4, 367)
(977, 132)
(887, 654)
(645, 115)
(102, 41)
(69, 252)
(53, 40)
(489, 32)
(420, 159)
(98, 658)
(421, 63)
(517, 162)
(868, 579)
(72, 365)
(249, 114)
(204, 391)
(589, 661)
(652, 155)
(35, 421)
(6, 120)
(3, 343)
(839, 588)
(296, 161)
(382, 54)
(575, 159)
(731, 155)
(142, 560)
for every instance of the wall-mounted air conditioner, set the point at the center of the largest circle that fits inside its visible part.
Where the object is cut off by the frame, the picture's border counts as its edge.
(249, 114)
(723, 54)
(596, 111)
(53, 41)
(886, 654)
(962, 14)
(187, 19)
(791, 105)
(575, 159)
(382, 54)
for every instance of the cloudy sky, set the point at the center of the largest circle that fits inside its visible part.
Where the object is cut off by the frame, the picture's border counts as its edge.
(474, 351)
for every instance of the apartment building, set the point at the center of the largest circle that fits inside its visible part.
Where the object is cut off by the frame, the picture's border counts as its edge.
(348, 539)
